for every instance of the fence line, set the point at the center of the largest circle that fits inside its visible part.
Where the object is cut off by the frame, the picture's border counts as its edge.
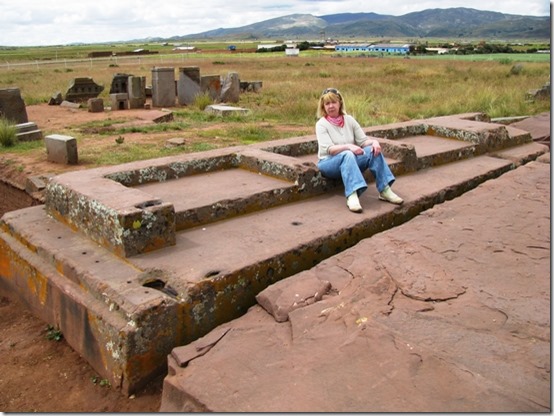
(112, 60)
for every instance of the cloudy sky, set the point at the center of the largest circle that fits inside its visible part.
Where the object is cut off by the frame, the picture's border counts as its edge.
(45, 22)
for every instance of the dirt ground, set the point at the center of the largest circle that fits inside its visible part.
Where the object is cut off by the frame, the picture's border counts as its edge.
(38, 374)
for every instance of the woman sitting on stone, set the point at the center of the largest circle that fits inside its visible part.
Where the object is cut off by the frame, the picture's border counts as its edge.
(345, 152)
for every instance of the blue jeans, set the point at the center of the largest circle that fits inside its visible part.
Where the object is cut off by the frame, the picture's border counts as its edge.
(350, 168)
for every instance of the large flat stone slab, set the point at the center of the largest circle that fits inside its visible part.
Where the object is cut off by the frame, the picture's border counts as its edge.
(449, 312)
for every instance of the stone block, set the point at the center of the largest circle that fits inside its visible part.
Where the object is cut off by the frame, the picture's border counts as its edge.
(189, 85)
(95, 105)
(119, 101)
(28, 132)
(298, 291)
(230, 90)
(211, 84)
(119, 83)
(12, 106)
(136, 88)
(56, 98)
(37, 183)
(250, 86)
(225, 110)
(61, 149)
(70, 104)
(163, 87)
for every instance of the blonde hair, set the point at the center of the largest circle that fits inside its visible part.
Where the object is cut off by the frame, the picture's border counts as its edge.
(330, 95)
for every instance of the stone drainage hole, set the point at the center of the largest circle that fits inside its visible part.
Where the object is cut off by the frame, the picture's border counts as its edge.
(162, 287)
(147, 204)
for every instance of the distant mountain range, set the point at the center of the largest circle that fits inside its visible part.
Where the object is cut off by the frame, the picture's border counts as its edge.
(452, 23)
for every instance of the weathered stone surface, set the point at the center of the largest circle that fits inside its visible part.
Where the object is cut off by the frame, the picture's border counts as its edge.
(176, 141)
(289, 294)
(37, 183)
(69, 104)
(449, 312)
(189, 85)
(56, 98)
(120, 84)
(211, 84)
(230, 88)
(137, 91)
(119, 101)
(534, 125)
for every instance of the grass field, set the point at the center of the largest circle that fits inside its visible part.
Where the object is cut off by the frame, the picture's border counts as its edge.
(378, 90)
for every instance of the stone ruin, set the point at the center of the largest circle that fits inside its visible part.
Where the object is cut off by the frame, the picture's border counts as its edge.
(190, 83)
(120, 84)
(81, 89)
(131, 261)
(12, 108)
(542, 93)
(128, 91)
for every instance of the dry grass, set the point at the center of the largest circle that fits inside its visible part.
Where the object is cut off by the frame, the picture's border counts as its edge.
(377, 91)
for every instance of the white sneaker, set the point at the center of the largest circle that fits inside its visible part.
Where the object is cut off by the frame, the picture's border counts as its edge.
(388, 195)
(353, 202)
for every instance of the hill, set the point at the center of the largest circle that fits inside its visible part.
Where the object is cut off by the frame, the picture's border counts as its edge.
(460, 22)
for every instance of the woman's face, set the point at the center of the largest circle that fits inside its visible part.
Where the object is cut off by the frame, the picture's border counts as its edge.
(332, 108)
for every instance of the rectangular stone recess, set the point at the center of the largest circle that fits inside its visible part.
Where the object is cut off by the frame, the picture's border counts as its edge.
(131, 208)
(238, 191)
(429, 145)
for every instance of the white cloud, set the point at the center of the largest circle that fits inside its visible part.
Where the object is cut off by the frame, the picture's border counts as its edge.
(38, 22)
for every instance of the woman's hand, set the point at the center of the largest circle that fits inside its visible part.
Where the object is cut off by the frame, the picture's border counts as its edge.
(357, 150)
(376, 146)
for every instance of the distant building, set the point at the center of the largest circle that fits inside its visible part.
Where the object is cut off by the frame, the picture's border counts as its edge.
(292, 52)
(438, 51)
(185, 49)
(352, 47)
(389, 48)
(382, 48)
(269, 45)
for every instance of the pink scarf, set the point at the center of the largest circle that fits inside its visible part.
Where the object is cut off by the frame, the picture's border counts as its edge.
(336, 121)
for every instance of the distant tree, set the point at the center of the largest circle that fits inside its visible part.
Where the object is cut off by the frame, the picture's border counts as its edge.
(303, 46)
